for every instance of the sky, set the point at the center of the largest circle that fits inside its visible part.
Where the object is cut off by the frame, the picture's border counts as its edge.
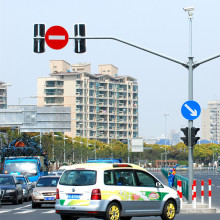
(160, 26)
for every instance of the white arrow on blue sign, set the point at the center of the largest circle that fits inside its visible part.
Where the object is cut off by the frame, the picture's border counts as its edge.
(190, 110)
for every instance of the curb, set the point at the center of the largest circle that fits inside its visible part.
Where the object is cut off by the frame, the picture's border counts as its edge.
(200, 208)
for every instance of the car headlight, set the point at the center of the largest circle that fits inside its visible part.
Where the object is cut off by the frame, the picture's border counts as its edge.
(10, 190)
(35, 193)
(24, 191)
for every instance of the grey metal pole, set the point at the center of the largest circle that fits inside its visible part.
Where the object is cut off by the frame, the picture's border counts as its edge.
(128, 150)
(166, 114)
(64, 150)
(95, 149)
(190, 122)
(53, 146)
(40, 139)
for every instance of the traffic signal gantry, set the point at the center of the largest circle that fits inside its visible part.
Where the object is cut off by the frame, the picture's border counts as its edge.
(191, 134)
(57, 37)
(80, 47)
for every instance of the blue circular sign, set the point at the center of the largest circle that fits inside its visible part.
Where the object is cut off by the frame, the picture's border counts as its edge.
(190, 110)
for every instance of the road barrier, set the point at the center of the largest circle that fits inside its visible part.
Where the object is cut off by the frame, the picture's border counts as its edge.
(184, 187)
(153, 169)
(210, 193)
(179, 191)
(194, 194)
(202, 191)
(184, 182)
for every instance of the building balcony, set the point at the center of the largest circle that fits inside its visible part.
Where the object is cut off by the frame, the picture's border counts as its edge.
(79, 86)
(79, 110)
(2, 102)
(79, 103)
(102, 120)
(102, 104)
(52, 104)
(112, 128)
(122, 97)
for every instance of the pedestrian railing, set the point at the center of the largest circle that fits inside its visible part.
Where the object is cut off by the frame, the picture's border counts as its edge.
(185, 182)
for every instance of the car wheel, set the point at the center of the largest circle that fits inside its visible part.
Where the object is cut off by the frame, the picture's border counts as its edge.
(34, 205)
(28, 198)
(169, 211)
(15, 202)
(113, 211)
(21, 200)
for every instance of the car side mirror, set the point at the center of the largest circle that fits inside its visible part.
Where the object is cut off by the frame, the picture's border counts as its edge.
(159, 185)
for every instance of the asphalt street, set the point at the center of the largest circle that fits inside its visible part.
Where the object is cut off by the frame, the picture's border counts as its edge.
(25, 211)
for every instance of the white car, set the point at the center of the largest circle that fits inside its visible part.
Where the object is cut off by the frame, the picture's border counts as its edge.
(113, 191)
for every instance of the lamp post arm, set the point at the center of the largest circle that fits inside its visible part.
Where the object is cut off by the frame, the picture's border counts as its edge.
(206, 60)
(133, 45)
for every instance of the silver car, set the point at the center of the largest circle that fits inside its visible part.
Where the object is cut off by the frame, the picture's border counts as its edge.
(45, 191)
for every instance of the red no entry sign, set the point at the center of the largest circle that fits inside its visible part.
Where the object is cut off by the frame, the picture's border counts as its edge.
(56, 37)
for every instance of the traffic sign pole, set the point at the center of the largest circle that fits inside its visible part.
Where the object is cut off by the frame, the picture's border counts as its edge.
(190, 122)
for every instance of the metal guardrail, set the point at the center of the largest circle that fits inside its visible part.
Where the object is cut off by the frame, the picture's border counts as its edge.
(185, 182)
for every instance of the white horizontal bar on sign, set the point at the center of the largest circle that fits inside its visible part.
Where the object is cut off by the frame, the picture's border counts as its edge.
(56, 37)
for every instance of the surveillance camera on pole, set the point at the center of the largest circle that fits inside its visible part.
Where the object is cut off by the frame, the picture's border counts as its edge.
(190, 11)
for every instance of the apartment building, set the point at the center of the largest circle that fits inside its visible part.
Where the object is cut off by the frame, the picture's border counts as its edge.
(104, 106)
(3, 95)
(210, 129)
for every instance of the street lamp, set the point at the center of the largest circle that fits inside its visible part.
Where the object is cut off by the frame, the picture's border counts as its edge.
(64, 150)
(112, 156)
(21, 99)
(81, 139)
(213, 157)
(161, 160)
(165, 115)
(73, 150)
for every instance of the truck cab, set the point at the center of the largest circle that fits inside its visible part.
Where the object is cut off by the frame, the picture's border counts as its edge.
(30, 166)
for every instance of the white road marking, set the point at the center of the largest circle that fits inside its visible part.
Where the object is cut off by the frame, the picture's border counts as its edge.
(4, 211)
(56, 37)
(22, 207)
(49, 212)
(24, 212)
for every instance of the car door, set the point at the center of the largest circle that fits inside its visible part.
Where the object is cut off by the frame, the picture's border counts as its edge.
(149, 196)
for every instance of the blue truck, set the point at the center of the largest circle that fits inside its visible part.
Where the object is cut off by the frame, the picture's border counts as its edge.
(24, 157)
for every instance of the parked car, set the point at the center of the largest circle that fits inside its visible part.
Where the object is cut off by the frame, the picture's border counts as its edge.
(27, 186)
(11, 189)
(45, 191)
(1, 195)
(113, 191)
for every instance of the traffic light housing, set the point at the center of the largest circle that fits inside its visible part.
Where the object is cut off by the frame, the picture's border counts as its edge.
(185, 139)
(80, 44)
(194, 139)
(39, 44)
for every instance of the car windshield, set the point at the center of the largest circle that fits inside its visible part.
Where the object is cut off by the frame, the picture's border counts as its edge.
(78, 178)
(47, 182)
(21, 167)
(21, 180)
(6, 180)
